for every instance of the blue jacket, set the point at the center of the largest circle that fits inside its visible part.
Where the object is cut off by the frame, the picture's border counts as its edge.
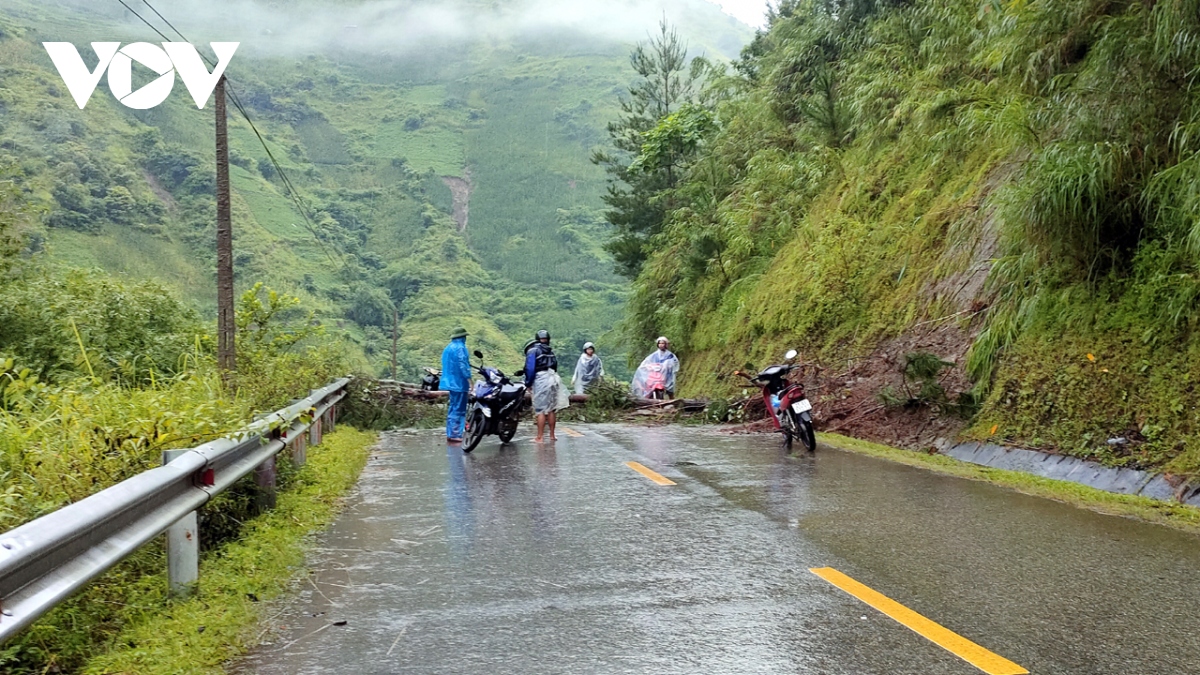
(531, 362)
(456, 367)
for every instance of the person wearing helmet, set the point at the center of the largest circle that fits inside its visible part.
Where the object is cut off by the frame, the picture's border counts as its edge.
(541, 377)
(588, 369)
(655, 377)
(456, 379)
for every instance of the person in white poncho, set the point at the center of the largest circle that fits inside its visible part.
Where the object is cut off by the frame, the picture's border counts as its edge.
(655, 378)
(588, 369)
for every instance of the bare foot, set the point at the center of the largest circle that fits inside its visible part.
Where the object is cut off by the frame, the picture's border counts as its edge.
(553, 437)
(538, 439)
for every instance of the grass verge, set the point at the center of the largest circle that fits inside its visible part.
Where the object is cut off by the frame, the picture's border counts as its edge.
(1177, 516)
(199, 634)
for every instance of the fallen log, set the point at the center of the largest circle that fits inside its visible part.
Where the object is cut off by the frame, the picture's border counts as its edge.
(437, 394)
(398, 383)
(687, 404)
(682, 403)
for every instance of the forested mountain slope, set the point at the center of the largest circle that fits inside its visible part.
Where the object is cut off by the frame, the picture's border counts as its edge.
(373, 109)
(1009, 186)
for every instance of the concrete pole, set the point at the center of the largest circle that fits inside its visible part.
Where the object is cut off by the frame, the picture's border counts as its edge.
(226, 321)
(183, 547)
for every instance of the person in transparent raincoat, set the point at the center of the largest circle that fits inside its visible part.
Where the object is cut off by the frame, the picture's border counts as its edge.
(541, 378)
(655, 377)
(588, 369)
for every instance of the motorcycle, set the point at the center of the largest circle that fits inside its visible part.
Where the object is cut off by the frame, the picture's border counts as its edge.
(495, 407)
(656, 381)
(788, 406)
(431, 379)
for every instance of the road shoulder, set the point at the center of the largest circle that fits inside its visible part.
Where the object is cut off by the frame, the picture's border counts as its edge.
(1177, 516)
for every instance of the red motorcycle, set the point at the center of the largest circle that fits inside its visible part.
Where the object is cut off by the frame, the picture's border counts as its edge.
(794, 414)
(656, 382)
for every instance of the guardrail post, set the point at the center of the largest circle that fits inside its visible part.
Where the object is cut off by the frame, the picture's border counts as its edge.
(264, 478)
(299, 449)
(183, 547)
(314, 431)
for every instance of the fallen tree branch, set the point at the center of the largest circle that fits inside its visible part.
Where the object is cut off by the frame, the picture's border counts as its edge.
(854, 418)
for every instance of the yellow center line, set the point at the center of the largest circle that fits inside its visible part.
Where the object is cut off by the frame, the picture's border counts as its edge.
(571, 432)
(657, 478)
(989, 662)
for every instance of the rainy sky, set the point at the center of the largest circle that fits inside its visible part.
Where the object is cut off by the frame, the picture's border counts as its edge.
(752, 12)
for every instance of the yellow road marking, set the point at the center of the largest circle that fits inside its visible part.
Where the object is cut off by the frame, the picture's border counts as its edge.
(657, 478)
(571, 432)
(988, 662)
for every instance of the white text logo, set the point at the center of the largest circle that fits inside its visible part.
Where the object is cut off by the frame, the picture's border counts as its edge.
(172, 57)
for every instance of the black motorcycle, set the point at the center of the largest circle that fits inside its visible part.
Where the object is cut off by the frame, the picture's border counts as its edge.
(431, 379)
(495, 407)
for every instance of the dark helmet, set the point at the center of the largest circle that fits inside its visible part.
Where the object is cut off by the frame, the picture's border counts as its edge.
(543, 335)
(529, 345)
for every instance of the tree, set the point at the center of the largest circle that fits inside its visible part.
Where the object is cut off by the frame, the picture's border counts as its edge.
(635, 209)
(673, 142)
(120, 205)
(15, 217)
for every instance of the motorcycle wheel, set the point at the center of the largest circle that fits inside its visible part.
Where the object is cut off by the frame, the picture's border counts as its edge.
(807, 436)
(474, 433)
(508, 429)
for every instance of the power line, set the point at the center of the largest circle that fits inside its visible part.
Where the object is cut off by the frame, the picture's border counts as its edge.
(287, 182)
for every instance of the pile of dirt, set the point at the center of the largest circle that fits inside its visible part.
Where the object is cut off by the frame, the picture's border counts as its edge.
(865, 395)
(847, 399)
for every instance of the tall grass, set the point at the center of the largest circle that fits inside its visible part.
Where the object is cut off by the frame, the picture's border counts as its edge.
(871, 153)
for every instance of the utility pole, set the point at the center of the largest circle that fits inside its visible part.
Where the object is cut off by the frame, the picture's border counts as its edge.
(225, 316)
(395, 334)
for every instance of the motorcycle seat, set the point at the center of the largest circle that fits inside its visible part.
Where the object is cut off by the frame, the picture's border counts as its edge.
(771, 371)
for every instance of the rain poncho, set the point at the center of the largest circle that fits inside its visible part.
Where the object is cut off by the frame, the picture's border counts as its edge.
(564, 397)
(657, 369)
(587, 370)
(456, 367)
(545, 392)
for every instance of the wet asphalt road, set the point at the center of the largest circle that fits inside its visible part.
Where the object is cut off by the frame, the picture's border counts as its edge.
(561, 559)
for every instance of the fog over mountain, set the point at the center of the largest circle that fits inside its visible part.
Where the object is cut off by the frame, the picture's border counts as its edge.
(394, 27)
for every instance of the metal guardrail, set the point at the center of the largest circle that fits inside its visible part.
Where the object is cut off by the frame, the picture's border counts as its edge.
(48, 559)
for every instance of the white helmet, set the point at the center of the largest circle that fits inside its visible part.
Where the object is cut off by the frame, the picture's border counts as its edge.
(662, 339)
(588, 345)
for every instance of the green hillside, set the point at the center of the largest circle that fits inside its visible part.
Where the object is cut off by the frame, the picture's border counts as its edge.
(1009, 186)
(367, 120)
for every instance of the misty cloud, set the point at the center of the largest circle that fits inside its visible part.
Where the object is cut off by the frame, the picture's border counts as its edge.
(400, 26)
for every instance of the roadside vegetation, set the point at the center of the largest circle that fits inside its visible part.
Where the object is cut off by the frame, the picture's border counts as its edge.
(864, 166)
(224, 618)
(98, 376)
(71, 428)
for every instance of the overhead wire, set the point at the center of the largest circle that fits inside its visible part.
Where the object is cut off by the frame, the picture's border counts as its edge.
(283, 177)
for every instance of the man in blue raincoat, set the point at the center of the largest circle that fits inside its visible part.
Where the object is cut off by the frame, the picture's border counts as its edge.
(541, 378)
(456, 379)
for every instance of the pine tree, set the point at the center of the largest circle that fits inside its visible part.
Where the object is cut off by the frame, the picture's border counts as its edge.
(636, 209)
